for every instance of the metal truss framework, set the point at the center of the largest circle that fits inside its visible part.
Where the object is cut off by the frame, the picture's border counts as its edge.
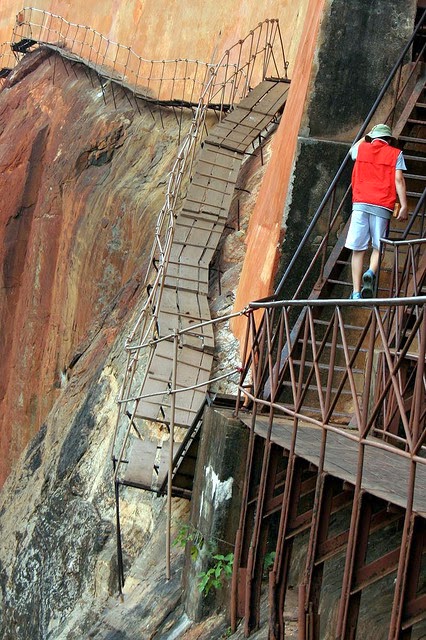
(306, 453)
(333, 392)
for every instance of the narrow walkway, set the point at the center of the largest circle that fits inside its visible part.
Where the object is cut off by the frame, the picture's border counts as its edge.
(381, 467)
(184, 303)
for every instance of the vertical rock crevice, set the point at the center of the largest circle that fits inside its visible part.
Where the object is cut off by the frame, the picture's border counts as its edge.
(18, 235)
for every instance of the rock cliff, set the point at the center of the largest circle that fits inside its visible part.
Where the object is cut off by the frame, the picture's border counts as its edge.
(84, 171)
(84, 182)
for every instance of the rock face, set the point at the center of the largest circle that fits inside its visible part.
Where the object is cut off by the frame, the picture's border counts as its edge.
(85, 170)
(83, 177)
(84, 183)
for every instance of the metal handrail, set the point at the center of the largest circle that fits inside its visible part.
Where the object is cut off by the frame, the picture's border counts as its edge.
(338, 302)
(264, 359)
(332, 188)
(142, 341)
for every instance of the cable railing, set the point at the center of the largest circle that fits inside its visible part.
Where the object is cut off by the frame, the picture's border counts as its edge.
(144, 340)
(146, 326)
(208, 382)
(169, 81)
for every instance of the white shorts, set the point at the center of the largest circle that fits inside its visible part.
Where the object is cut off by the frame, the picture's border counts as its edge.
(363, 228)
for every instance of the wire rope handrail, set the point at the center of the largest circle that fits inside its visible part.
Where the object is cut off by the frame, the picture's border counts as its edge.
(169, 81)
(173, 391)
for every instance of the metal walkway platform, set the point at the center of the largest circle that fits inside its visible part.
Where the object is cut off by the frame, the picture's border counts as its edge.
(184, 302)
(381, 467)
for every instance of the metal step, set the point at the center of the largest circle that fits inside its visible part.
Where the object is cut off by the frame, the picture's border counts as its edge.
(414, 158)
(414, 176)
(412, 139)
(184, 303)
(415, 121)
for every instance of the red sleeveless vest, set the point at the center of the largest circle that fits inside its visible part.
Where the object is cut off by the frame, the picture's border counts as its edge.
(373, 176)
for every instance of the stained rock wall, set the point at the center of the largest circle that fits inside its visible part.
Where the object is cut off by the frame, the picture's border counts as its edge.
(83, 179)
(75, 292)
(84, 183)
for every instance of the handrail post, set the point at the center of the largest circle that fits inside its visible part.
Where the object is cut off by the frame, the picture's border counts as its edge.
(120, 566)
(171, 441)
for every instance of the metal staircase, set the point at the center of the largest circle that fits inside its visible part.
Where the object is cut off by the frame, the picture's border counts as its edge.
(334, 395)
(170, 350)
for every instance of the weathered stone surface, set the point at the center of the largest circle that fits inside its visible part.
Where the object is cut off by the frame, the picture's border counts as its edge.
(349, 77)
(315, 165)
(215, 505)
(75, 235)
(85, 184)
(85, 181)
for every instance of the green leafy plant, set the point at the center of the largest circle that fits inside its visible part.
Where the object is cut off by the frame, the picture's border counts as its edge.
(220, 566)
(187, 533)
(219, 571)
(269, 560)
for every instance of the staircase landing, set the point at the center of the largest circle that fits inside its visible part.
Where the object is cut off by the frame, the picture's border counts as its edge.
(381, 467)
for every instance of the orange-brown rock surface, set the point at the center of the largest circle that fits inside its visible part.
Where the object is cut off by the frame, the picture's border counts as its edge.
(85, 174)
(82, 184)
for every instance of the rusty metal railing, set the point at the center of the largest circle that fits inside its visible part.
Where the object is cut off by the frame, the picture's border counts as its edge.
(407, 276)
(173, 81)
(365, 392)
(407, 279)
(315, 372)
